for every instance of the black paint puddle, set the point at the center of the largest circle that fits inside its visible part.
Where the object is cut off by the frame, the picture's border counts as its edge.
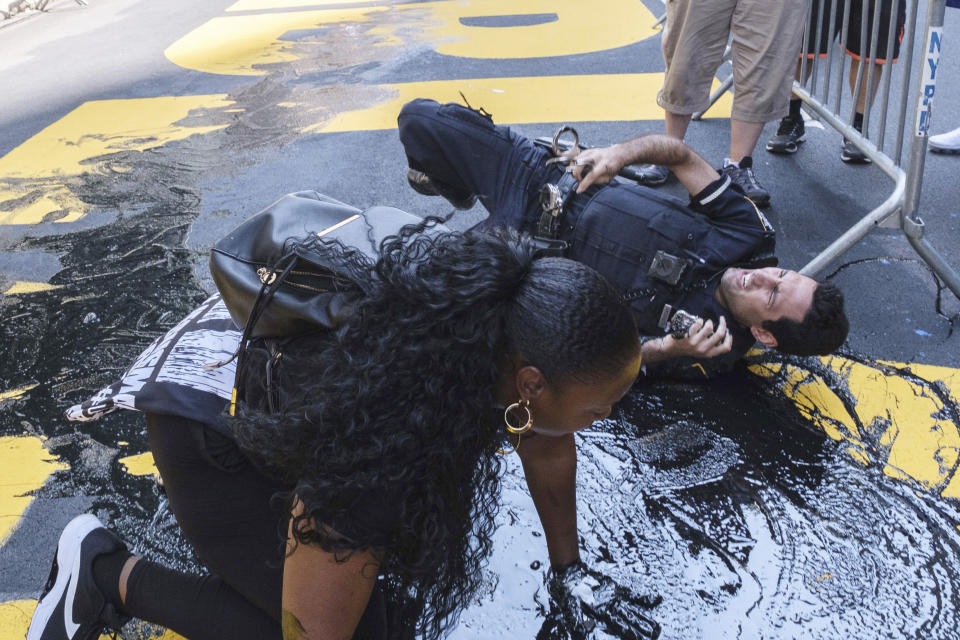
(751, 523)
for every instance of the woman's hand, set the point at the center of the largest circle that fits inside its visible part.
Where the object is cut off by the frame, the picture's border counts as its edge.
(324, 597)
(586, 604)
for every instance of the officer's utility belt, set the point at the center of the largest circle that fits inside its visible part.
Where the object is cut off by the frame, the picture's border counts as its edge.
(554, 197)
(553, 203)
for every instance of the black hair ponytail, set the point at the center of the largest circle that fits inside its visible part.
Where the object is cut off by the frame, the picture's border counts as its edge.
(392, 413)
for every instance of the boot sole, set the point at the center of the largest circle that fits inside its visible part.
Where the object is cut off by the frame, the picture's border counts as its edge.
(785, 148)
(429, 189)
(855, 160)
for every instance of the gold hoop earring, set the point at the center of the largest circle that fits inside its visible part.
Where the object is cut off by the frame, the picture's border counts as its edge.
(518, 431)
(506, 452)
(522, 404)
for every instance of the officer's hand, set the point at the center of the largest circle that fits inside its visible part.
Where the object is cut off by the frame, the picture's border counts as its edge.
(704, 342)
(596, 166)
(585, 604)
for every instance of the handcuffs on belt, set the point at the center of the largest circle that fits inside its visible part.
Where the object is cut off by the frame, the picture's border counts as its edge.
(554, 197)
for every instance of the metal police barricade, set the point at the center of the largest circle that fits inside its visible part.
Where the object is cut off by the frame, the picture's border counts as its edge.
(912, 109)
(830, 21)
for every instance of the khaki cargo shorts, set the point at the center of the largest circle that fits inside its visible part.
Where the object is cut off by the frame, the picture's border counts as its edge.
(767, 37)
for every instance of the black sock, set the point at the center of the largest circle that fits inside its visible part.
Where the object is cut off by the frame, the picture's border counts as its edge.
(858, 122)
(795, 108)
(106, 574)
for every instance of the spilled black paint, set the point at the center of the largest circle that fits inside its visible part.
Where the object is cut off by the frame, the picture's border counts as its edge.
(751, 523)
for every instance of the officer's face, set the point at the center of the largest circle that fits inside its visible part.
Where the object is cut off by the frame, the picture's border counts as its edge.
(755, 295)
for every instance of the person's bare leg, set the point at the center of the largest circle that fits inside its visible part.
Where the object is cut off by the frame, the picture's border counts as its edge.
(743, 138)
(866, 97)
(125, 575)
(677, 124)
(808, 71)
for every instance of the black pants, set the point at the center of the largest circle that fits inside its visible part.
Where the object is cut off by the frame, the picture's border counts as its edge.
(223, 505)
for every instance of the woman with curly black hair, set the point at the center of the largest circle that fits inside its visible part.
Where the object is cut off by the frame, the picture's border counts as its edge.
(384, 452)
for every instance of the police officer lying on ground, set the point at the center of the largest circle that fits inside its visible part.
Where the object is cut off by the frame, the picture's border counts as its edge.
(712, 257)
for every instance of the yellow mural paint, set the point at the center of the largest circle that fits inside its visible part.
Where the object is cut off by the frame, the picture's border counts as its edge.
(267, 5)
(603, 98)
(15, 394)
(568, 27)
(24, 466)
(67, 147)
(140, 465)
(239, 44)
(859, 455)
(15, 618)
(20, 287)
(892, 414)
(235, 45)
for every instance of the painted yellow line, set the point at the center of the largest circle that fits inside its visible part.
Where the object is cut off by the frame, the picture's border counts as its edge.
(267, 5)
(15, 618)
(24, 466)
(604, 98)
(20, 287)
(241, 44)
(889, 418)
(238, 45)
(15, 394)
(140, 464)
(34, 176)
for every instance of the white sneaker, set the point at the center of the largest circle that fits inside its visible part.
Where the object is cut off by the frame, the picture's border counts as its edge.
(946, 142)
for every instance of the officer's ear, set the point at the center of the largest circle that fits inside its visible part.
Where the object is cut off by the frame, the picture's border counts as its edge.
(764, 337)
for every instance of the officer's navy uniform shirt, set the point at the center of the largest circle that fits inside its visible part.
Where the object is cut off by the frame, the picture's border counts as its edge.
(620, 227)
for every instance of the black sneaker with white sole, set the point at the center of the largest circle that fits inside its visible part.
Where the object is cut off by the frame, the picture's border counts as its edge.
(744, 177)
(851, 154)
(71, 606)
(790, 134)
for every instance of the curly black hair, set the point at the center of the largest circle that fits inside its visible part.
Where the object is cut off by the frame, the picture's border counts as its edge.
(388, 431)
(821, 332)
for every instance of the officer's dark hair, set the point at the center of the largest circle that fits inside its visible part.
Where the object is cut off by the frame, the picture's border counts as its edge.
(822, 330)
